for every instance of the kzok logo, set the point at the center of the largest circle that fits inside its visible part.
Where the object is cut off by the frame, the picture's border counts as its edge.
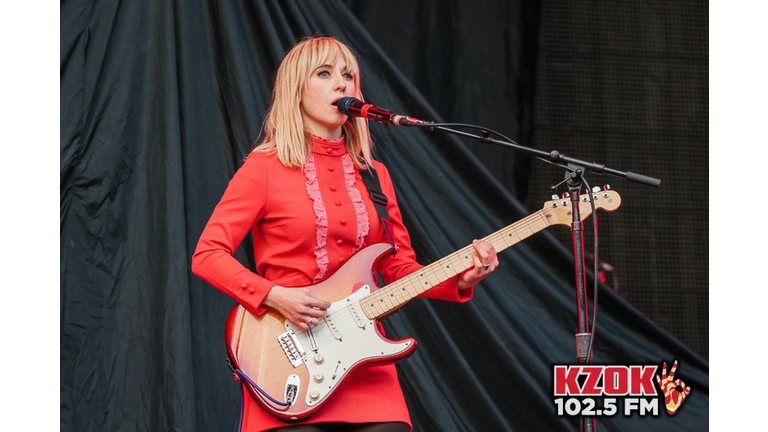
(616, 381)
(576, 388)
(673, 397)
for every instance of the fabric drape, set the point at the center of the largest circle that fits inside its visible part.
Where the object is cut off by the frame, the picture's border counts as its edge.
(160, 103)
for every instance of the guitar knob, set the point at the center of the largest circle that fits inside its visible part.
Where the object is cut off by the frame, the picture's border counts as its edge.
(314, 395)
(318, 358)
(318, 377)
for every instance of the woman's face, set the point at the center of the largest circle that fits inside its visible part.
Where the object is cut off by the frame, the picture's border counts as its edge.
(326, 85)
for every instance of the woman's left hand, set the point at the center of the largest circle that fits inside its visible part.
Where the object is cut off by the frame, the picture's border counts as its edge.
(485, 263)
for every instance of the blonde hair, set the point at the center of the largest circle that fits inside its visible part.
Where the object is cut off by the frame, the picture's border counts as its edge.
(283, 126)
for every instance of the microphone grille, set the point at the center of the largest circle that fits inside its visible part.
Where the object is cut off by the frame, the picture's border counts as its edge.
(344, 103)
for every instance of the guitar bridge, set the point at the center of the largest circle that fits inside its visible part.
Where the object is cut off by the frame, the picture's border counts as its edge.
(292, 348)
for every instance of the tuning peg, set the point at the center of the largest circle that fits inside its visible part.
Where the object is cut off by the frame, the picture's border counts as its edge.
(555, 197)
(596, 189)
(566, 195)
(606, 187)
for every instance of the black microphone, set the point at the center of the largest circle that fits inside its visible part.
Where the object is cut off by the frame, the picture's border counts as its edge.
(356, 108)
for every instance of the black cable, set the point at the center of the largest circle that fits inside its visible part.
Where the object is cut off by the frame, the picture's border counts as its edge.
(594, 300)
(471, 126)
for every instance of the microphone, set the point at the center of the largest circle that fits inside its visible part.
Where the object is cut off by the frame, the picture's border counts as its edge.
(356, 108)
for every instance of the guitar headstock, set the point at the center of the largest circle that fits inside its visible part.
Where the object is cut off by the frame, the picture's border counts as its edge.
(559, 210)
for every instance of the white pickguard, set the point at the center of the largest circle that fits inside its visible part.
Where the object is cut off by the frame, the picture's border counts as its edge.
(355, 345)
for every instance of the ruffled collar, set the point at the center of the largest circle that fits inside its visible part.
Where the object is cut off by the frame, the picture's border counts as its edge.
(327, 147)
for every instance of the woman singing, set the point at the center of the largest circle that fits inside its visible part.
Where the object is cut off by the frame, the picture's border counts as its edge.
(301, 194)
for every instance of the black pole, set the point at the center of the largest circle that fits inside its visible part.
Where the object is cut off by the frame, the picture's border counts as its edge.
(553, 156)
(574, 181)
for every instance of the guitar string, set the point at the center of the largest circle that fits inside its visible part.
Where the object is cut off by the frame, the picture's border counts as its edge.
(385, 299)
(534, 223)
(396, 294)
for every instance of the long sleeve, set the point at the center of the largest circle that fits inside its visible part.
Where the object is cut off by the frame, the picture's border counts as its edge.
(403, 263)
(240, 207)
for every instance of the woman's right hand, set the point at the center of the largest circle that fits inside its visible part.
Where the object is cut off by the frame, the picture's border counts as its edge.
(297, 305)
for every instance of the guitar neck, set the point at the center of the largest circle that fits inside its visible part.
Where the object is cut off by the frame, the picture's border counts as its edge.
(395, 295)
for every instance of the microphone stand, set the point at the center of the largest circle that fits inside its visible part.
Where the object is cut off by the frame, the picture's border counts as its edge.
(554, 156)
(574, 180)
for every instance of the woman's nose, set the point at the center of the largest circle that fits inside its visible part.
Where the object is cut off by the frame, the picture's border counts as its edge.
(340, 84)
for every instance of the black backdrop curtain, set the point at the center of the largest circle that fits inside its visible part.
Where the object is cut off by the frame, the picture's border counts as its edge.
(160, 102)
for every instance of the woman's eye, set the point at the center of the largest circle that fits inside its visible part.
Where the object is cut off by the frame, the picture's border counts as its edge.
(348, 77)
(323, 74)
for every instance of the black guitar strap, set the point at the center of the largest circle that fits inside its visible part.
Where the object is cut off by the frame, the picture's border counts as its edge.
(380, 201)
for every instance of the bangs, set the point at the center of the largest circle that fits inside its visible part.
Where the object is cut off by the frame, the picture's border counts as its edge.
(328, 51)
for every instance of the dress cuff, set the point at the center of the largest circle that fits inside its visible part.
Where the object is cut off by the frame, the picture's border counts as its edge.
(250, 289)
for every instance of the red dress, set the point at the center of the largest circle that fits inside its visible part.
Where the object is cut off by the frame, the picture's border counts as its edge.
(306, 222)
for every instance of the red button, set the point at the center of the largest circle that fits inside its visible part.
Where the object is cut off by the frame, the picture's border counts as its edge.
(252, 290)
(329, 150)
(341, 260)
(244, 286)
(330, 168)
(333, 188)
(338, 203)
(339, 241)
(343, 221)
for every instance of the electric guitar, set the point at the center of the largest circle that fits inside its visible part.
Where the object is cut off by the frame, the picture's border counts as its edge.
(292, 373)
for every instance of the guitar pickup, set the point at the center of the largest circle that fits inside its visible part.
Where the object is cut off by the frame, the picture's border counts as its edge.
(292, 348)
(331, 325)
(356, 313)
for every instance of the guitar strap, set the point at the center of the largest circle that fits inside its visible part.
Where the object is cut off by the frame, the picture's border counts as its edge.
(371, 180)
